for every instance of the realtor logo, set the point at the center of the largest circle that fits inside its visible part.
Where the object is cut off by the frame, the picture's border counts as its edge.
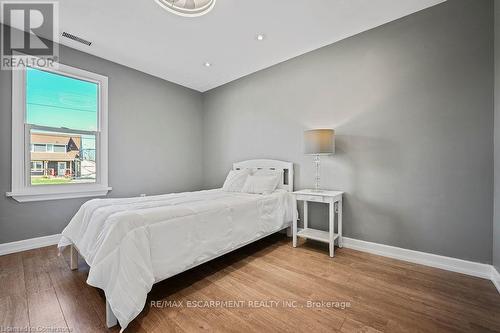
(29, 34)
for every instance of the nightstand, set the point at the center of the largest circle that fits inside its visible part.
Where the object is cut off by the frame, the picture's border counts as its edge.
(334, 201)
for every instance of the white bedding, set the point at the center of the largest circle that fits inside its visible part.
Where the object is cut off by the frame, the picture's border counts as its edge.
(132, 243)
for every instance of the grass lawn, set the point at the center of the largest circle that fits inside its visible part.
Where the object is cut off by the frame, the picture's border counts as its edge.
(49, 181)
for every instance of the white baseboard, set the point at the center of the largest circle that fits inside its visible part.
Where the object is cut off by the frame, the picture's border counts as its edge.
(427, 259)
(495, 277)
(29, 244)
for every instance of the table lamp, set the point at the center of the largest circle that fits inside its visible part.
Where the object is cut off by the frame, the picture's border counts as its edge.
(319, 142)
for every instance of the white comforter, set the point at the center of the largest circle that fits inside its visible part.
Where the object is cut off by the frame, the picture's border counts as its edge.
(132, 243)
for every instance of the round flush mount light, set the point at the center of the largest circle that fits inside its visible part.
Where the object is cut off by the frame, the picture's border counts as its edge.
(187, 8)
(260, 37)
(207, 64)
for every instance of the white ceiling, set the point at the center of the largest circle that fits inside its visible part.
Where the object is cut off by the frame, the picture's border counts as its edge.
(142, 35)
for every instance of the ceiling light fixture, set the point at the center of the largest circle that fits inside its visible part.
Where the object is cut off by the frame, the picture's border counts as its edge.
(187, 8)
(260, 37)
(207, 64)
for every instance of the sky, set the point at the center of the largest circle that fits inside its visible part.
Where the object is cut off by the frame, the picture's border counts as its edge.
(59, 101)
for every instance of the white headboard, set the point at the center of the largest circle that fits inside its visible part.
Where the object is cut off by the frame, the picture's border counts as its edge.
(287, 168)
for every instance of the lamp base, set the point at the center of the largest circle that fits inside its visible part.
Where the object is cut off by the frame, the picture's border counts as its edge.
(317, 178)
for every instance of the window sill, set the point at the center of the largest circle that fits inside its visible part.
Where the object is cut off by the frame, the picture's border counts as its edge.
(41, 193)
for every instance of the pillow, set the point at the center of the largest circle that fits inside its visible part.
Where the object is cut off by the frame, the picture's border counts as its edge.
(235, 180)
(269, 172)
(260, 184)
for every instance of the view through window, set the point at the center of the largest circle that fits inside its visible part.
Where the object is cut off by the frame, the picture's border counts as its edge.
(62, 120)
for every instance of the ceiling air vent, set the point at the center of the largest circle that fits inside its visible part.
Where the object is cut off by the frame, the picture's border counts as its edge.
(76, 38)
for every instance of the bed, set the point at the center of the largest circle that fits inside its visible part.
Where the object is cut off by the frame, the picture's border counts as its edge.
(132, 243)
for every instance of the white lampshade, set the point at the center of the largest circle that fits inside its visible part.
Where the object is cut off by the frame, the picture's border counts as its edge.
(319, 142)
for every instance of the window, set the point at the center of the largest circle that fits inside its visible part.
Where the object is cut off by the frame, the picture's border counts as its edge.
(62, 148)
(39, 148)
(59, 134)
(49, 148)
(37, 166)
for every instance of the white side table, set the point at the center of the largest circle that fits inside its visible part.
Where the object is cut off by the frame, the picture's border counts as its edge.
(334, 200)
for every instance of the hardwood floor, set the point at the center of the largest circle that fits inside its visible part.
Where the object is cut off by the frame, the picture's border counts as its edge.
(268, 284)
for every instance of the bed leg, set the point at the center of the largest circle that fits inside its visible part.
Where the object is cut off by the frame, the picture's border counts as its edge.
(73, 258)
(289, 232)
(110, 316)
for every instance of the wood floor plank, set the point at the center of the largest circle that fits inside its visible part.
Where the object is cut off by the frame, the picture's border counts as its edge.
(294, 287)
(256, 283)
(71, 292)
(11, 275)
(11, 261)
(13, 311)
(432, 279)
(36, 273)
(155, 320)
(384, 295)
(351, 325)
(44, 310)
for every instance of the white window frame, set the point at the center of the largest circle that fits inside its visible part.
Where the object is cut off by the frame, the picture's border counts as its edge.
(22, 190)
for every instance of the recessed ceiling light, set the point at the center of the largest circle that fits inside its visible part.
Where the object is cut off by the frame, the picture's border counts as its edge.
(260, 37)
(207, 64)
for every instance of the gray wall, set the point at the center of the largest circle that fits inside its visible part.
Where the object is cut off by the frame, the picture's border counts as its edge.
(154, 145)
(411, 101)
(412, 104)
(496, 215)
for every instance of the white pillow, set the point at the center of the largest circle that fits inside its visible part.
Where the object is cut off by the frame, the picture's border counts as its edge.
(260, 184)
(235, 180)
(268, 172)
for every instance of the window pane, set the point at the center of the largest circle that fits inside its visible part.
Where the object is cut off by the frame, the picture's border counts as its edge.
(36, 166)
(71, 161)
(59, 149)
(40, 147)
(55, 100)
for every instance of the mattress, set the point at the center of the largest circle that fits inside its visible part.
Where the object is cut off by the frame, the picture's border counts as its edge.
(132, 243)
